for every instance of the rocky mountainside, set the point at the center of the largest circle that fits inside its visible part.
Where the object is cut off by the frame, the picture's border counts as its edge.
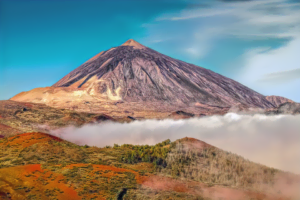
(291, 108)
(135, 75)
(133, 72)
(277, 100)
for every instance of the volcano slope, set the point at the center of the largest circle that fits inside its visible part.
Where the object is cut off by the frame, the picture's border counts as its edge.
(135, 79)
(41, 166)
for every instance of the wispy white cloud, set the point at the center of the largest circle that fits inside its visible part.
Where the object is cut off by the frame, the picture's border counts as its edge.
(194, 13)
(282, 76)
(269, 18)
(192, 51)
(278, 68)
(246, 19)
(196, 52)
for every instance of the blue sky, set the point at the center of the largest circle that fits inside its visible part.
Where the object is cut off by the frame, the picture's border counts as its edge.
(256, 42)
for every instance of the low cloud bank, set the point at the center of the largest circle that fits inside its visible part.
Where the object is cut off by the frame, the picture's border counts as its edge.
(270, 140)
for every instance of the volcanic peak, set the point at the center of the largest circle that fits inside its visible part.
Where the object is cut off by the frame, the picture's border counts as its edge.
(133, 44)
(135, 73)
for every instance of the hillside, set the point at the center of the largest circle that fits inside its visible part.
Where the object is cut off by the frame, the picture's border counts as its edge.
(277, 100)
(40, 166)
(20, 117)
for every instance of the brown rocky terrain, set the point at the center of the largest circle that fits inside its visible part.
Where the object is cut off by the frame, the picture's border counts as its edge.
(20, 117)
(277, 100)
(135, 79)
(291, 108)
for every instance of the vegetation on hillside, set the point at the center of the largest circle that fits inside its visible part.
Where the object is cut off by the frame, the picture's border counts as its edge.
(40, 166)
(215, 166)
(20, 117)
(155, 154)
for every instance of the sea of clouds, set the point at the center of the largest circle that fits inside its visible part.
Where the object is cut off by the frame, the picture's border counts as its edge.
(270, 140)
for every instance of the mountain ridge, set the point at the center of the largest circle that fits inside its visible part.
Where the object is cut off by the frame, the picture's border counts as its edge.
(135, 74)
(128, 62)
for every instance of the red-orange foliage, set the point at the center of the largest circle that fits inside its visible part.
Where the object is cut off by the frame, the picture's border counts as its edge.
(28, 139)
(112, 171)
(31, 176)
(164, 183)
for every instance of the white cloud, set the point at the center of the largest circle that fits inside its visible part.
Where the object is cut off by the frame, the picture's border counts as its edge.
(198, 51)
(282, 76)
(259, 65)
(194, 13)
(270, 140)
(248, 19)
(192, 51)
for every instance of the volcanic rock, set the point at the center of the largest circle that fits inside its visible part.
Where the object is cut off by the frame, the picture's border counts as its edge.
(291, 108)
(181, 115)
(277, 100)
(103, 117)
(131, 118)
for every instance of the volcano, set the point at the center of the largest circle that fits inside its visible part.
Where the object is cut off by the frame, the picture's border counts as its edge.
(135, 74)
